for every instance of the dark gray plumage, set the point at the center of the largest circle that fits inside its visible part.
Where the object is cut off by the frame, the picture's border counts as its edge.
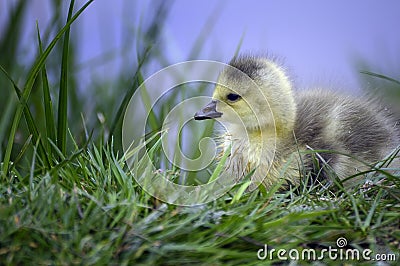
(358, 127)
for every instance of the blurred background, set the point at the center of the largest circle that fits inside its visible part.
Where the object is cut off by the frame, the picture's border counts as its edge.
(321, 43)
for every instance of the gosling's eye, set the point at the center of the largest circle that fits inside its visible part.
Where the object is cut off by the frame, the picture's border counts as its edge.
(232, 97)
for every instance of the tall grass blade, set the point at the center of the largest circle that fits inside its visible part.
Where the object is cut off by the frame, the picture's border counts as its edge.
(5, 119)
(381, 76)
(11, 35)
(153, 121)
(33, 129)
(29, 121)
(220, 165)
(136, 83)
(63, 96)
(205, 32)
(22, 151)
(47, 102)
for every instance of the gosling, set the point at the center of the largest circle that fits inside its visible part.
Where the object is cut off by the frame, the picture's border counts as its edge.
(276, 134)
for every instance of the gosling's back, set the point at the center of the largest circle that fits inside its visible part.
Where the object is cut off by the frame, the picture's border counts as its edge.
(354, 126)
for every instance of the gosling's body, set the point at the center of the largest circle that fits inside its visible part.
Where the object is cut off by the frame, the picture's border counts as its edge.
(350, 126)
(270, 126)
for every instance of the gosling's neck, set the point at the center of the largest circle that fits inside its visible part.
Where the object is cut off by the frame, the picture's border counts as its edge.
(254, 136)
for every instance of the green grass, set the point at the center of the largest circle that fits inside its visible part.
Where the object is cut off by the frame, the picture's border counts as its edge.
(67, 196)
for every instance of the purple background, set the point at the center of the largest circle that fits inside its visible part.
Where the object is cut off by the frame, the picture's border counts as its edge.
(320, 42)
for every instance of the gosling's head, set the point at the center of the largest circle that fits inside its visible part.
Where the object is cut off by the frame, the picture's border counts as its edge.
(257, 91)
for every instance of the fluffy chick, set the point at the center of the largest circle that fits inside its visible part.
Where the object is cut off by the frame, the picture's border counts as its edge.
(270, 126)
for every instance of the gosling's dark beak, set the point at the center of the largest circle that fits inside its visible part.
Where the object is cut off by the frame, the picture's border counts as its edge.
(207, 112)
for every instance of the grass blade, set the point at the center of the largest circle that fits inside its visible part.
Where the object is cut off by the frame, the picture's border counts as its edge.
(63, 96)
(220, 165)
(5, 119)
(47, 103)
(153, 121)
(136, 83)
(380, 76)
(12, 34)
(22, 151)
(29, 121)
(367, 222)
